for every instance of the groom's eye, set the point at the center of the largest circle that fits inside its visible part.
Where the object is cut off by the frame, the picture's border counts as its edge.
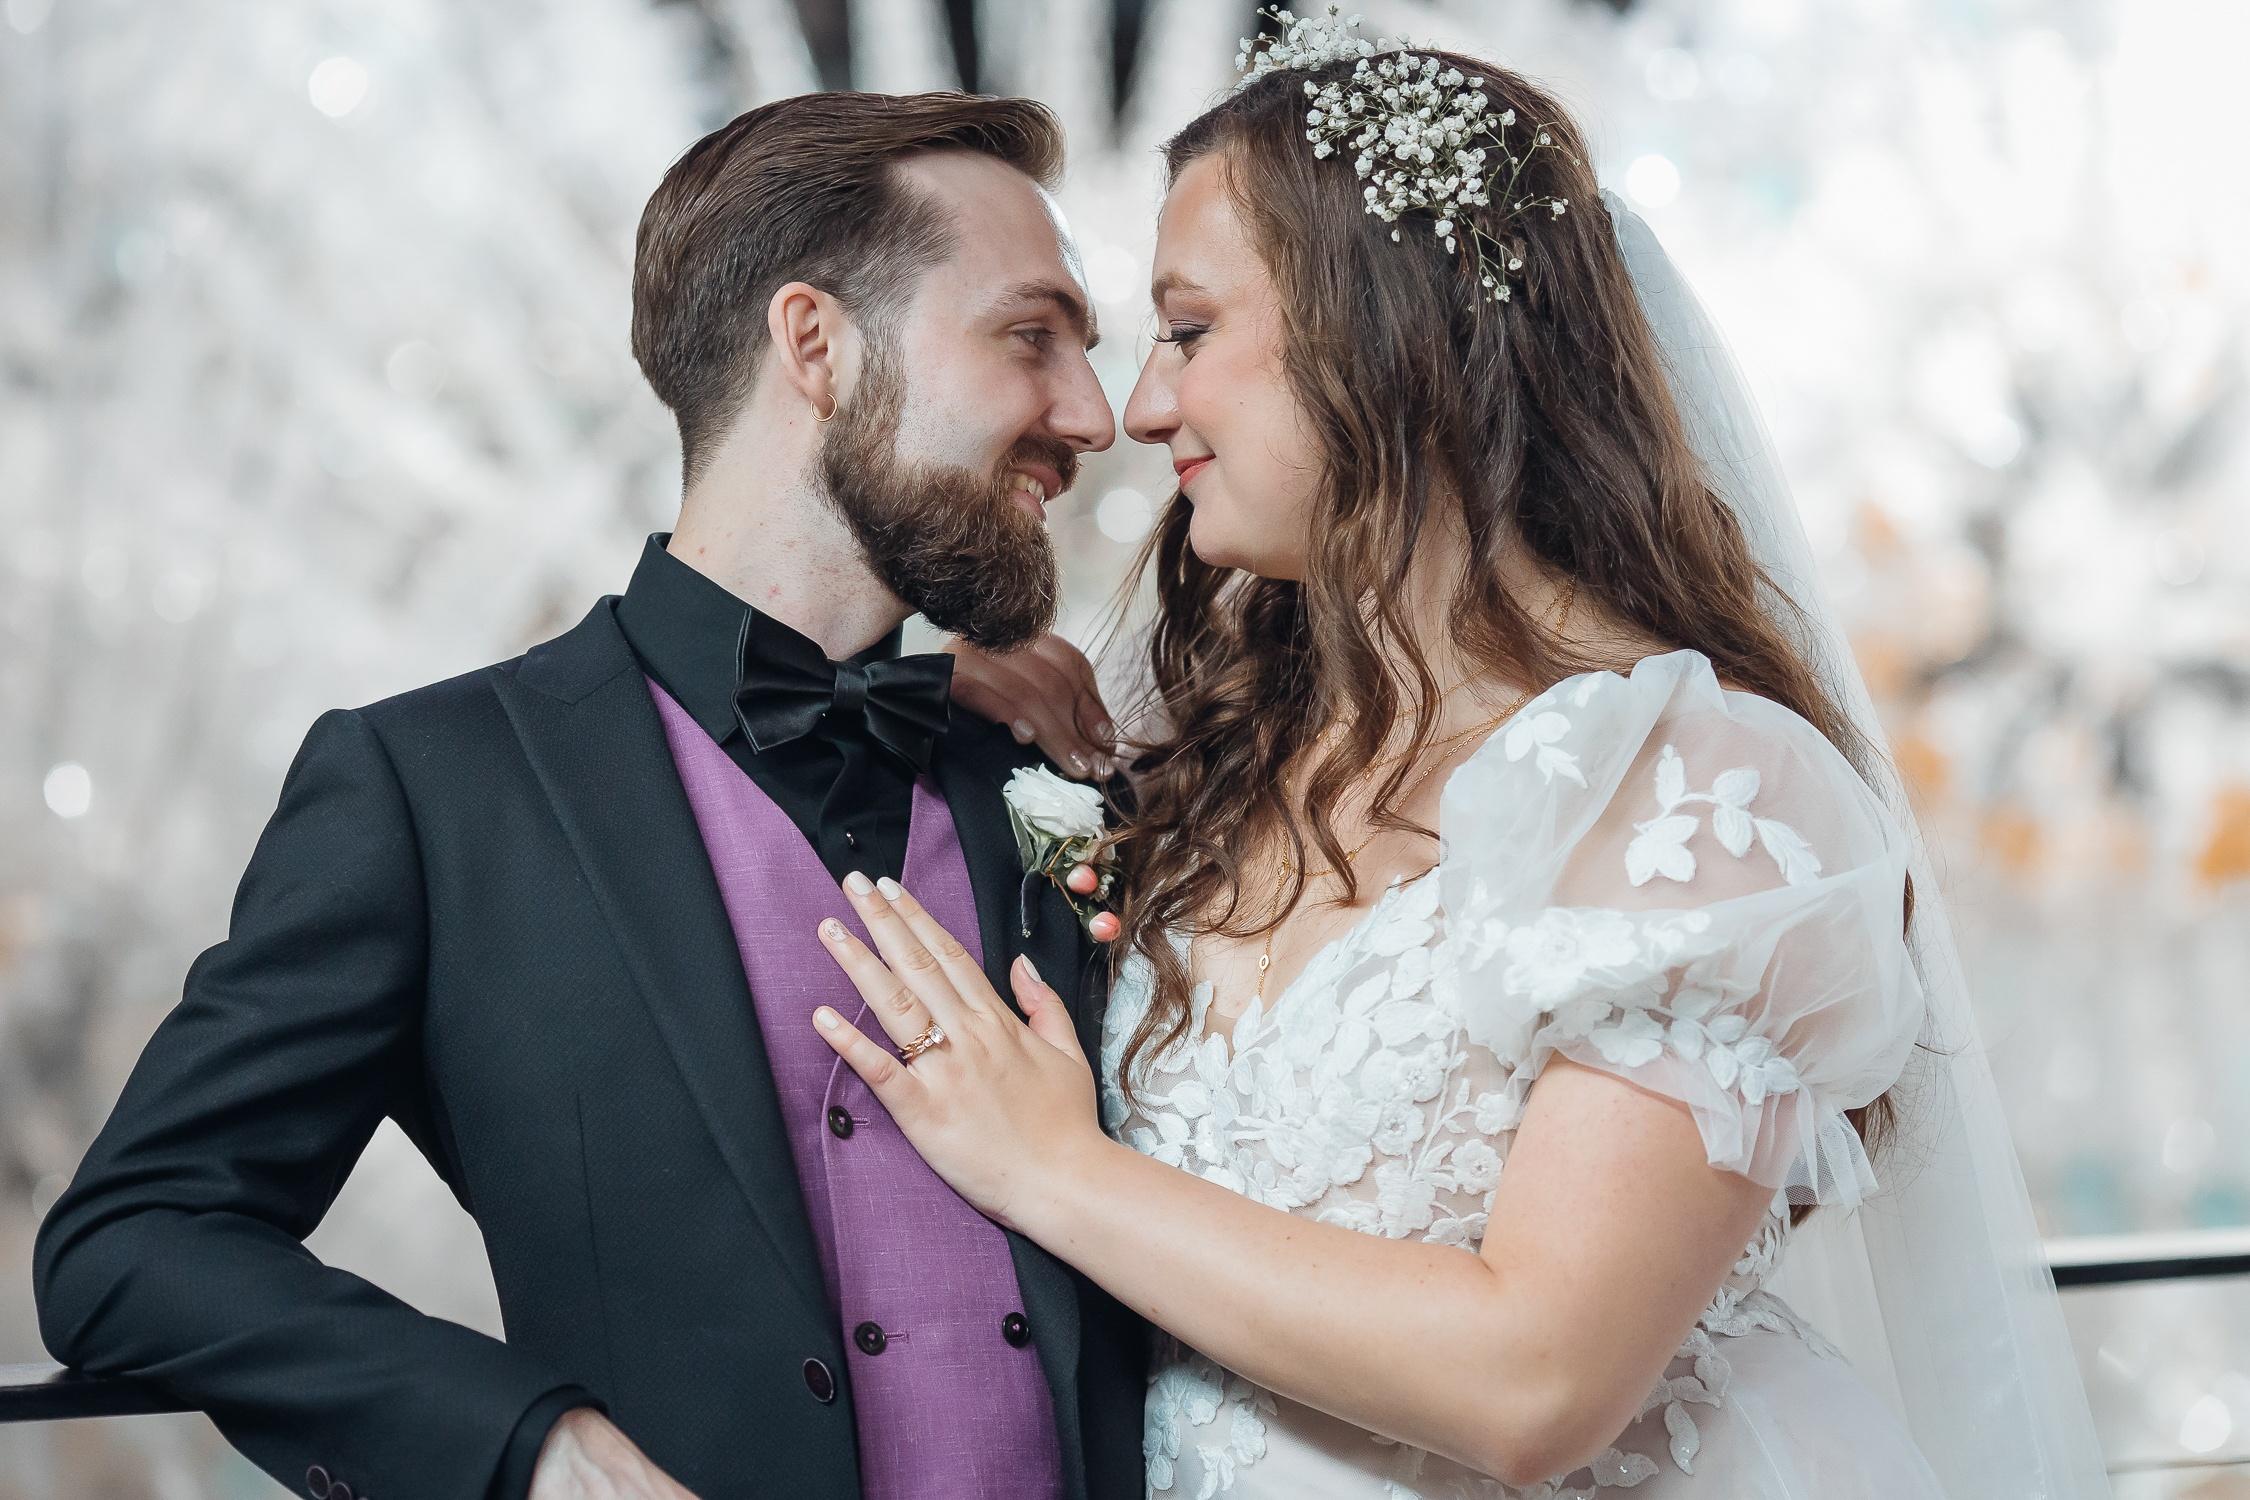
(1038, 337)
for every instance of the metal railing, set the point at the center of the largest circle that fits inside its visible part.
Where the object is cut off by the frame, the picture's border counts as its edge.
(2111, 1260)
(2116, 1259)
(49, 1392)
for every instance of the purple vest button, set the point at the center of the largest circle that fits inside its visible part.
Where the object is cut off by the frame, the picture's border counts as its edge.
(820, 1382)
(871, 1338)
(839, 1122)
(1016, 1329)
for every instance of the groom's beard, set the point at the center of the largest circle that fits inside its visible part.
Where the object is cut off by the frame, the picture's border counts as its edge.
(950, 542)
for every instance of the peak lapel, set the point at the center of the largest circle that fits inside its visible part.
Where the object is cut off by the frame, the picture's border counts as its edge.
(591, 733)
(973, 764)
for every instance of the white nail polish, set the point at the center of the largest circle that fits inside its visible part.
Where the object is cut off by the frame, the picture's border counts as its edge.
(857, 884)
(890, 888)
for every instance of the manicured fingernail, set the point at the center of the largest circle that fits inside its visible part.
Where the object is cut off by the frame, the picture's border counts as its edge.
(857, 884)
(1078, 762)
(826, 1019)
(1023, 731)
(1030, 968)
(832, 930)
(890, 888)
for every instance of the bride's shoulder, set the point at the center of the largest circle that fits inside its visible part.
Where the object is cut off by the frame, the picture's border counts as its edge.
(1661, 692)
(1664, 735)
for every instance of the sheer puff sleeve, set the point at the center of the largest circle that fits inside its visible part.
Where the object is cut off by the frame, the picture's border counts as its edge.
(1692, 889)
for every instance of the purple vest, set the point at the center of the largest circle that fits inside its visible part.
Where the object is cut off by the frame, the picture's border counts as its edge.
(946, 1385)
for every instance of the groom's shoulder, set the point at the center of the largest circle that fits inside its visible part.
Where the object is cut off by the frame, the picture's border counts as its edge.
(992, 745)
(566, 666)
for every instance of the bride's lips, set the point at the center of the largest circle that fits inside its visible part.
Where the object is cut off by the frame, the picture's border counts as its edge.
(1188, 468)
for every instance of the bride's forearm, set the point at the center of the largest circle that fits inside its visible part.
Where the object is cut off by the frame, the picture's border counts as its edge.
(1404, 1338)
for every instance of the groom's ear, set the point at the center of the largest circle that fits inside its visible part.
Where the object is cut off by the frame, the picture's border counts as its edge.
(815, 344)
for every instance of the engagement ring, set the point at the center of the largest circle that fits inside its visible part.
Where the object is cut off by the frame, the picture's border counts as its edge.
(921, 1044)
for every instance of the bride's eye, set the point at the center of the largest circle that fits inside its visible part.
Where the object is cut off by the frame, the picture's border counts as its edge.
(1183, 335)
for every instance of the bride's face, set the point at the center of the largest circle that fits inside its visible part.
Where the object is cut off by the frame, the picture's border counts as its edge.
(1214, 392)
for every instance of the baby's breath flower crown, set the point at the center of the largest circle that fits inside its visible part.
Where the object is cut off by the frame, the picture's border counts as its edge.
(1420, 134)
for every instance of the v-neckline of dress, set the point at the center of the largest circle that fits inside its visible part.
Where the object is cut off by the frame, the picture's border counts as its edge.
(1201, 992)
(1204, 989)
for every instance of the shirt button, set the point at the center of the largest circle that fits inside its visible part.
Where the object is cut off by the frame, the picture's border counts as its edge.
(1016, 1329)
(871, 1338)
(840, 1122)
(820, 1382)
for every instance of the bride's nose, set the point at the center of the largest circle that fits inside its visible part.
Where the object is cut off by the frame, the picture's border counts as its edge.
(1152, 413)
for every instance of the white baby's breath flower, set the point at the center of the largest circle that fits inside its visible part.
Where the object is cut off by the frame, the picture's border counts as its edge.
(1415, 127)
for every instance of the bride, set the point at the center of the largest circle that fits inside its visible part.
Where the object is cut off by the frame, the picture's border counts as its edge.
(1521, 962)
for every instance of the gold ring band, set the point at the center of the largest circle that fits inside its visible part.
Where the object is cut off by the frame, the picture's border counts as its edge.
(921, 1044)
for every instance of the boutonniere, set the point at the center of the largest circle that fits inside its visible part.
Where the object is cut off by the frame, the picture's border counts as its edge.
(1057, 823)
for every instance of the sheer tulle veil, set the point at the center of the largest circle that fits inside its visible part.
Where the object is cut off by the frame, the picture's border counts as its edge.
(1937, 1287)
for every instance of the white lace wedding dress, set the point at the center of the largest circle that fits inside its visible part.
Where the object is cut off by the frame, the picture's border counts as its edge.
(1683, 885)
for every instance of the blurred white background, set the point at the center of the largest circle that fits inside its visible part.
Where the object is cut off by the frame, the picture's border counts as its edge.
(313, 349)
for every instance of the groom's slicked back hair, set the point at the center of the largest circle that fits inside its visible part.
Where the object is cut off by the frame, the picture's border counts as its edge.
(802, 189)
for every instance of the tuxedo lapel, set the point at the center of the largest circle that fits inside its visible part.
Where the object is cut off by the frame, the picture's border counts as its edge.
(973, 763)
(590, 730)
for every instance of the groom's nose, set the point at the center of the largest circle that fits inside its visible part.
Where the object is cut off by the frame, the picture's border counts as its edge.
(1080, 414)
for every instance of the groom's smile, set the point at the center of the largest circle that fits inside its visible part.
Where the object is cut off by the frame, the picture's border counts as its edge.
(1033, 487)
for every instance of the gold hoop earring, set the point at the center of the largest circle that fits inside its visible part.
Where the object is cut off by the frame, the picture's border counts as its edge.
(817, 417)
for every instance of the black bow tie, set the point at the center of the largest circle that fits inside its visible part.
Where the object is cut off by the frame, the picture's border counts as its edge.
(784, 687)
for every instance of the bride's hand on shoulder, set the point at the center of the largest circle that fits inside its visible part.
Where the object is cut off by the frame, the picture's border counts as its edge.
(1003, 1108)
(1046, 695)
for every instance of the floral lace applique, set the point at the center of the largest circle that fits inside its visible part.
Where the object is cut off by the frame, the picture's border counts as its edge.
(1188, 1393)
(1537, 730)
(1659, 846)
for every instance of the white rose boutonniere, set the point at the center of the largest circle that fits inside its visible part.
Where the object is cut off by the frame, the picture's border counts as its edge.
(1057, 823)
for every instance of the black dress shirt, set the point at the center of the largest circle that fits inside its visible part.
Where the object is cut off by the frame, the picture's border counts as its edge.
(686, 630)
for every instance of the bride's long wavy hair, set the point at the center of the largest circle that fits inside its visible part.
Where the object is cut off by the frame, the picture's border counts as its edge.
(1545, 422)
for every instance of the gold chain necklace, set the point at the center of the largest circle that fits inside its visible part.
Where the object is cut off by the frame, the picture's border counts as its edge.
(1265, 955)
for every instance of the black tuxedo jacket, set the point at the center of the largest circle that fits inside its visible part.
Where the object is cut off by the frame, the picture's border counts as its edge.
(483, 910)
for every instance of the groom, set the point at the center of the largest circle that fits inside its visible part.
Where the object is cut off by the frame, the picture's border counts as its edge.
(556, 918)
